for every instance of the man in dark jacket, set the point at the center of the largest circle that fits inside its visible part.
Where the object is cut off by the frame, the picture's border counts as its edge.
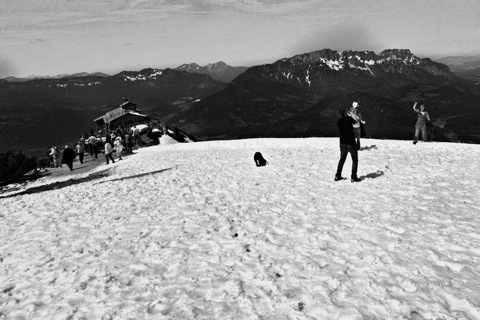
(347, 145)
(68, 156)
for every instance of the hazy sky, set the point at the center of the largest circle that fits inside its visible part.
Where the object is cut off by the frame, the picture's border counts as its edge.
(50, 37)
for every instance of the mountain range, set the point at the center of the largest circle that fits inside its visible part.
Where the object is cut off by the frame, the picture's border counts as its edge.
(292, 97)
(218, 71)
(299, 96)
(59, 76)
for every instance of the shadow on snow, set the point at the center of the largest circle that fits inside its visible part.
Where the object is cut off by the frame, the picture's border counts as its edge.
(369, 148)
(373, 175)
(137, 175)
(70, 182)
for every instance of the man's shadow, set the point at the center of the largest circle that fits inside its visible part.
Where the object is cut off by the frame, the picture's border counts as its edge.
(373, 175)
(369, 148)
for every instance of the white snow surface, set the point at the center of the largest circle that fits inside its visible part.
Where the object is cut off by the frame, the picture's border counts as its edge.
(140, 127)
(166, 139)
(197, 231)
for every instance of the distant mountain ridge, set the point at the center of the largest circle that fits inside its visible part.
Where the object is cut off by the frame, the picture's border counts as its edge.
(60, 76)
(465, 61)
(218, 71)
(467, 67)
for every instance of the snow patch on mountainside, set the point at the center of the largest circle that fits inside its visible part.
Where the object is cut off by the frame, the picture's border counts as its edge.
(142, 77)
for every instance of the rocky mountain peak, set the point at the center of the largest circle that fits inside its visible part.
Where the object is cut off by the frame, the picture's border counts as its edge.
(219, 64)
(398, 53)
(218, 70)
(330, 71)
(341, 58)
(189, 67)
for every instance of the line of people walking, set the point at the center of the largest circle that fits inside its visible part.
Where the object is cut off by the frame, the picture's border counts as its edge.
(119, 141)
(93, 145)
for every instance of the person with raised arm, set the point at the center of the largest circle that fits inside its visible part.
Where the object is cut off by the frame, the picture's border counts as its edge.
(421, 124)
(357, 126)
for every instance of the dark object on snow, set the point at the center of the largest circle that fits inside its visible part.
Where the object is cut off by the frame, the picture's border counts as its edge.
(301, 306)
(259, 160)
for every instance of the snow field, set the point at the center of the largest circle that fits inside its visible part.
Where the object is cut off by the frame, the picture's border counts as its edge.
(183, 231)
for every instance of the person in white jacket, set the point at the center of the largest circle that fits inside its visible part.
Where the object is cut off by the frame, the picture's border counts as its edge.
(118, 147)
(108, 149)
(357, 126)
(54, 154)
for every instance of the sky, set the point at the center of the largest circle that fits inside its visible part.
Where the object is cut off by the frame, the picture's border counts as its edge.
(197, 231)
(52, 37)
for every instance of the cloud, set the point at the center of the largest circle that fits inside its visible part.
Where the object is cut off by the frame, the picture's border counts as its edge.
(338, 37)
(6, 69)
(261, 7)
(47, 14)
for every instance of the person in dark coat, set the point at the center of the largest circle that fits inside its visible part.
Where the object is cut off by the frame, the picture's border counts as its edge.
(348, 145)
(68, 156)
(98, 146)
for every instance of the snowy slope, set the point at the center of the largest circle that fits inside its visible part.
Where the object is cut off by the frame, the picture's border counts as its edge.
(196, 231)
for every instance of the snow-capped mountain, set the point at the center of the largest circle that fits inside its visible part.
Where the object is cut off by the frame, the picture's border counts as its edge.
(219, 70)
(332, 72)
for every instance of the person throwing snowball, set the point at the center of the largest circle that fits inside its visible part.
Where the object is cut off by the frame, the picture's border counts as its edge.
(421, 124)
(357, 126)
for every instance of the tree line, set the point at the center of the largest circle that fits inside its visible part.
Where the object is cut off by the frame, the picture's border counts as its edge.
(14, 165)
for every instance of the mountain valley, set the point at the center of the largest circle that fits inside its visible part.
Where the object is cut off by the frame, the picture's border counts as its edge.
(292, 97)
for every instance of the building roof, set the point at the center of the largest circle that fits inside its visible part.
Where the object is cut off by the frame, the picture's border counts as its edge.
(117, 114)
(128, 105)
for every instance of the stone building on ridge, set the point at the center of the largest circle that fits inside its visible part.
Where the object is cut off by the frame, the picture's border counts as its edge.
(126, 114)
